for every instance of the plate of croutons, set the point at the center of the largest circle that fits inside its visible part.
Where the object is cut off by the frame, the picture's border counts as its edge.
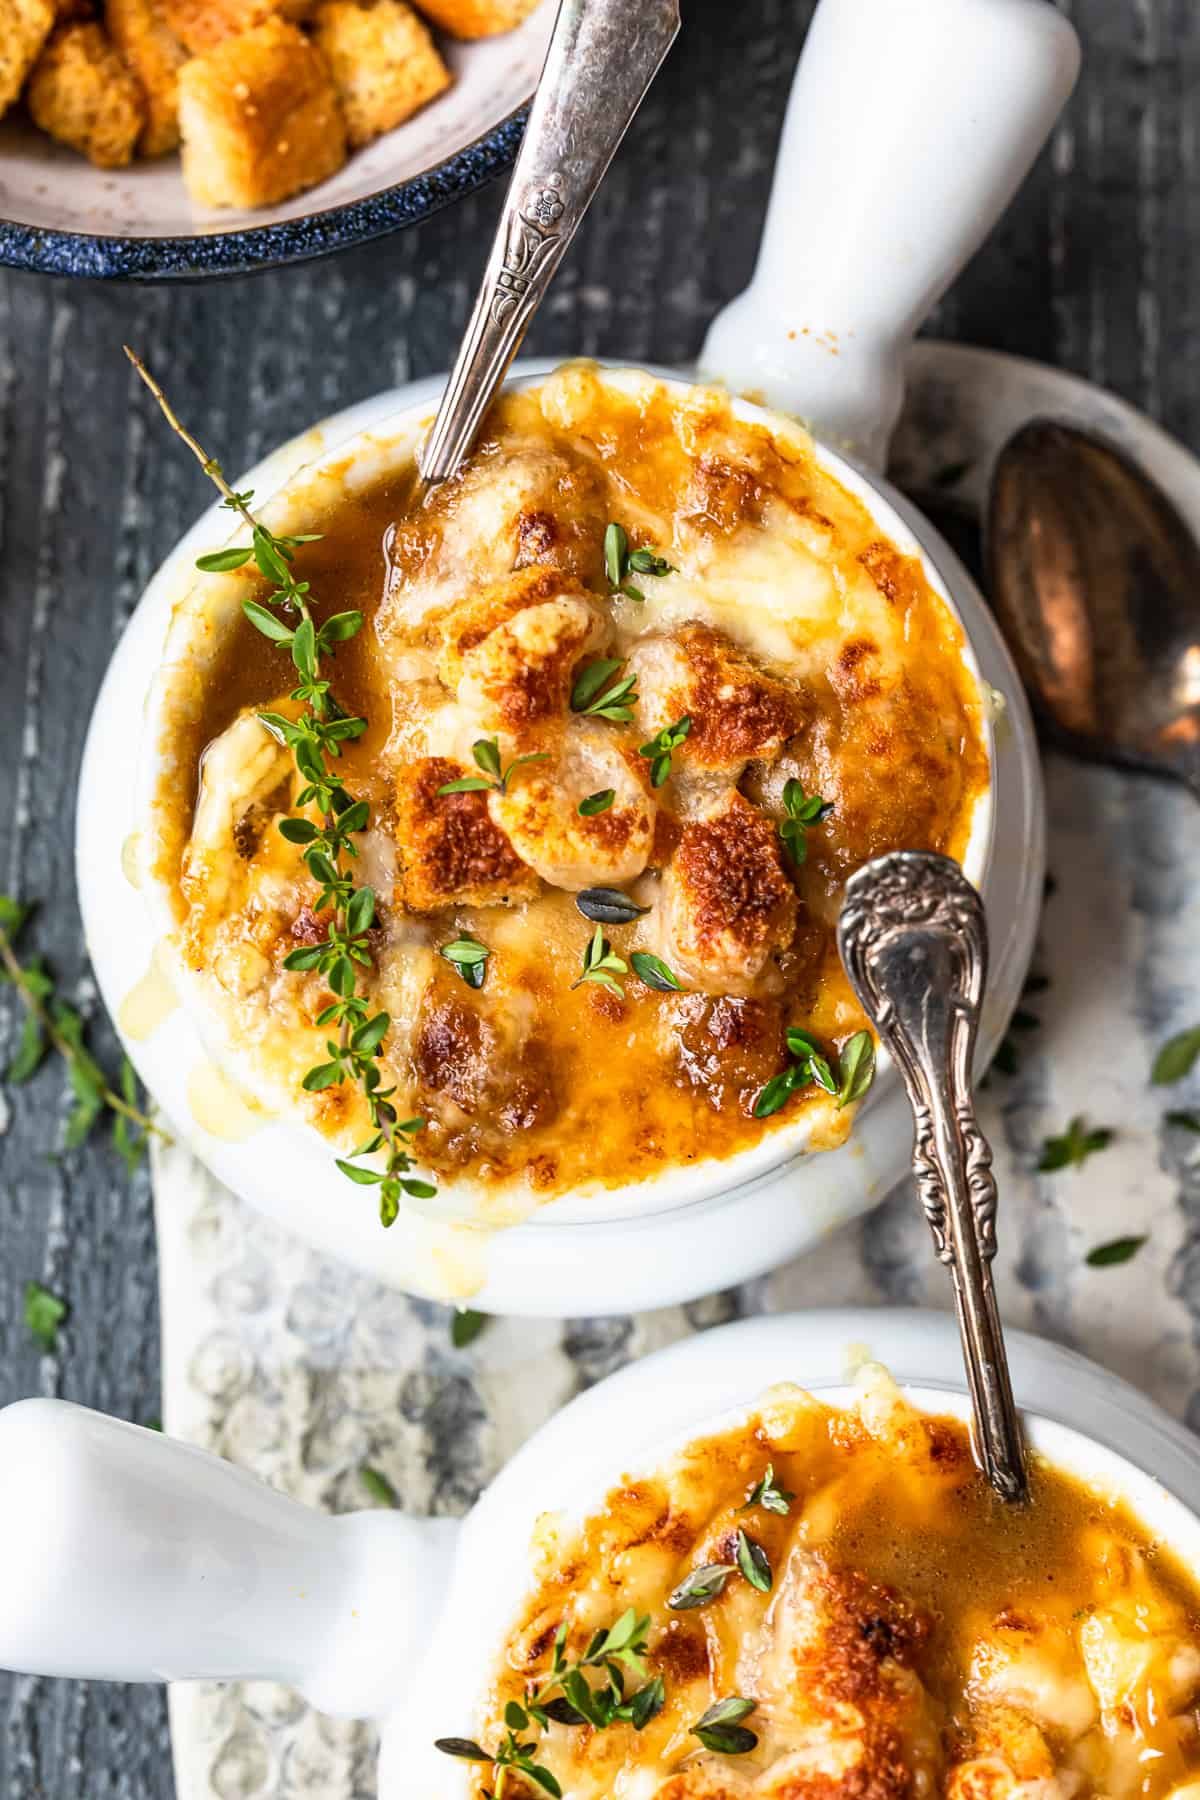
(157, 138)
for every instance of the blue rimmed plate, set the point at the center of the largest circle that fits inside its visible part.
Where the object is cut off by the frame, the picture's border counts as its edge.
(61, 216)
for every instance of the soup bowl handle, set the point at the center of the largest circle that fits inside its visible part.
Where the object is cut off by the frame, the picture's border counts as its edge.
(910, 127)
(128, 1556)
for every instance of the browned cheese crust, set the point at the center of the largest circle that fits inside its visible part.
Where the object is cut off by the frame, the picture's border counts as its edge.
(767, 616)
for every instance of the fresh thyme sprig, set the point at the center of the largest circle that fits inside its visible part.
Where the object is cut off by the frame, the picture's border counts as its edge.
(769, 1495)
(602, 965)
(469, 957)
(568, 1697)
(809, 1065)
(801, 812)
(597, 696)
(720, 1728)
(494, 779)
(659, 750)
(620, 561)
(315, 739)
(51, 1023)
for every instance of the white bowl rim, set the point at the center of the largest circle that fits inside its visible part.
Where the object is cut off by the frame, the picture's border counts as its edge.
(396, 436)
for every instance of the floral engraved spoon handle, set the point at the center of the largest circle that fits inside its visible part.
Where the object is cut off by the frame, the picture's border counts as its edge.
(603, 56)
(914, 941)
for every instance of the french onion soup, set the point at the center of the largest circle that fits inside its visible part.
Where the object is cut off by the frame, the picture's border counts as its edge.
(642, 686)
(829, 1604)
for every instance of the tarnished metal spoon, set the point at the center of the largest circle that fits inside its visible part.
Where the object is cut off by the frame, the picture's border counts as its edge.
(603, 56)
(1095, 580)
(914, 942)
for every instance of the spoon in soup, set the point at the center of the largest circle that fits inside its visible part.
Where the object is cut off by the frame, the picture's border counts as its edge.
(1095, 580)
(603, 55)
(913, 938)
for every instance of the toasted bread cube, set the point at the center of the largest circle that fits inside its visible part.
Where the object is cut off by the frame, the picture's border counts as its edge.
(385, 64)
(24, 27)
(452, 851)
(154, 54)
(200, 25)
(728, 905)
(83, 95)
(477, 18)
(260, 119)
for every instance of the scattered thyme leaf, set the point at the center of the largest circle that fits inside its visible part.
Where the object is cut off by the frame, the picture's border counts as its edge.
(801, 812)
(609, 906)
(754, 1562)
(701, 1587)
(720, 1730)
(655, 973)
(1185, 1121)
(1073, 1147)
(602, 966)
(598, 693)
(597, 803)
(469, 957)
(856, 1068)
(466, 1326)
(378, 1486)
(44, 1313)
(769, 1495)
(620, 561)
(1177, 1058)
(1120, 1250)
(661, 748)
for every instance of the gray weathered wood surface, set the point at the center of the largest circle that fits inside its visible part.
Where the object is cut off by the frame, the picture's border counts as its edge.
(1097, 268)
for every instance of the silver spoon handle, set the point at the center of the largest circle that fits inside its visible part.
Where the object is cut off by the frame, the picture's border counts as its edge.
(914, 941)
(603, 56)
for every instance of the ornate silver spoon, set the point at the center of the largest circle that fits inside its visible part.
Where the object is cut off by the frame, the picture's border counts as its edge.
(603, 56)
(1095, 579)
(914, 941)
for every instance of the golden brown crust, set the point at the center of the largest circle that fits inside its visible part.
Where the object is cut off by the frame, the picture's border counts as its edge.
(731, 903)
(200, 25)
(260, 118)
(737, 711)
(24, 27)
(384, 63)
(154, 54)
(81, 92)
(453, 854)
(477, 18)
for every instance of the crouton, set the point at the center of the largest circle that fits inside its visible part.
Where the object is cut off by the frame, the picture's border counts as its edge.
(385, 65)
(737, 711)
(81, 93)
(453, 854)
(260, 119)
(728, 904)
(24, 27)
(154, 54)
(477, 18)
(200, 25)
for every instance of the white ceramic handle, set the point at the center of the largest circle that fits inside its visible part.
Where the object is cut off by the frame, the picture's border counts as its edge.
(910, 127)
(127, 1556)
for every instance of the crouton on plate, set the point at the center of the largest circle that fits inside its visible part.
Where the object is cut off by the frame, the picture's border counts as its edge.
(477, 18)
(24, 27)
(154, 54)
(81, 93)
(385, 65)
(260, 119)
(200, 25)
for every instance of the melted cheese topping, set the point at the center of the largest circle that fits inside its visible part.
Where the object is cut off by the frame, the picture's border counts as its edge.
(918, 1638)
(800, 645)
